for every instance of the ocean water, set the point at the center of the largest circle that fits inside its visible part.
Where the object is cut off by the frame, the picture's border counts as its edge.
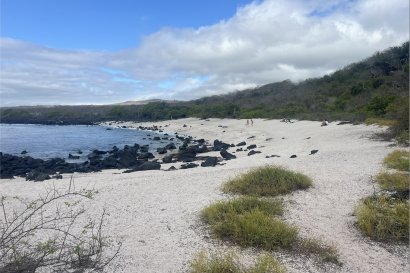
(49, 141)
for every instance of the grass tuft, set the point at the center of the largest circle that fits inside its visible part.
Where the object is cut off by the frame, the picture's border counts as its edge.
(228, 262)
(324, 248)
(393, 181)
(383, 218)
(266, 181)
(248, 221)
(398, 160)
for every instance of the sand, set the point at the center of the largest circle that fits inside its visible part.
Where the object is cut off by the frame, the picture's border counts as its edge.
(156, 213)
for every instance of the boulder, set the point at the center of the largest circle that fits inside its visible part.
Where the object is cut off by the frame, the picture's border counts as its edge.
(218, 145)
(145, 167)
(144, 149)
(313, 152)
(210, 162)
(70, 156)
(239, 150)
(162, 150)
(189, 165)
(167, 159)
(157, 138)
(35, 175)
(110, 162)
(253, 146)
(187, 155)
(253, 152)
(127, 159)
(172, 168)
(146, 155)
(6, 175)
(24, 152)
(243, 143)
(227, 155)
(170, 146)
(203, 149)
(293, 156)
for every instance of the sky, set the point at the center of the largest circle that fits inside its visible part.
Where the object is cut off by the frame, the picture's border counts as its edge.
(73, 52)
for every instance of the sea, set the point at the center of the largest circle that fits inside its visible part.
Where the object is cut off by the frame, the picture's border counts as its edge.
(53, 141)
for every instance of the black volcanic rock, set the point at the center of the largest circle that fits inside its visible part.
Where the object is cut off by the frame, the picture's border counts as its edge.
(167, 159)
(210, 162)
(253, 146)
(227, 155)
(253, 152)
(243, 143)
(218, 145)
(189, 165)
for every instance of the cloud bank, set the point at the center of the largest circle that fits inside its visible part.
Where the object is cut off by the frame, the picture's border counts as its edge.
(262, 43)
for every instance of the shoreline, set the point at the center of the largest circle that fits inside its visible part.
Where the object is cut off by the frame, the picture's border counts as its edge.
(156, 213)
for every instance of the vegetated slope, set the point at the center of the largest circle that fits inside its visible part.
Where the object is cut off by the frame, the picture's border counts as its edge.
(365, 88)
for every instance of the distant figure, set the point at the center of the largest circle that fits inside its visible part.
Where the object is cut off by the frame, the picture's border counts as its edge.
(324, 123)
(283, 120)
(252, 122)
(247, 122)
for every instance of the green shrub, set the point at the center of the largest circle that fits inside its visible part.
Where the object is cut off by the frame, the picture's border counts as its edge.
(267, 181)
(229, 262)
(383, 218)
(249, 221)
(393, 181)
(398, 160)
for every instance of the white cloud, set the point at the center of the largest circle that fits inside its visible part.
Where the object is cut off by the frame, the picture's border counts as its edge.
(264, 42)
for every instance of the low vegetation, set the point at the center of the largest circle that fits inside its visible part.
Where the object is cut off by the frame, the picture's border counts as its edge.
(382, 217)
(54, 234)
(393, 181)
(267, 180)
(249, 222)
(398, 159)
(229, 262)
(386, 216)
(324, 248)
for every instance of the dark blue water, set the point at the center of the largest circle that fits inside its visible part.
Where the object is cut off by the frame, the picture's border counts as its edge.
(47, 141)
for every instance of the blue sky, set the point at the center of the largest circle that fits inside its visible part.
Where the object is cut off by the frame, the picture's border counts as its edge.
(105, 24)
(102, 52)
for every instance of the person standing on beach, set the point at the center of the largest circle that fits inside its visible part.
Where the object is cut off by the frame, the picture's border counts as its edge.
(252, 122)
(247, 123)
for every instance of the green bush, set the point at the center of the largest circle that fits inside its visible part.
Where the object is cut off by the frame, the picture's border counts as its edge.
(266, 181)
(248, 225)
(228, 262)
(398, 160)
(382, 218)
(393, 181)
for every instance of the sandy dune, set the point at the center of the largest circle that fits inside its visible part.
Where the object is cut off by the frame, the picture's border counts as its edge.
(155, 213)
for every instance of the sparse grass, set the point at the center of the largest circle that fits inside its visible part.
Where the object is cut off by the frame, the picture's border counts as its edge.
(324, 248)
(248, 221)
(393, 181)
(380, 122)
(398, 160)
(229, 262)
(267, 180)
(381, 217)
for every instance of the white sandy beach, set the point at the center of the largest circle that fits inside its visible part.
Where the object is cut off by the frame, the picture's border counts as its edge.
(156, 213)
